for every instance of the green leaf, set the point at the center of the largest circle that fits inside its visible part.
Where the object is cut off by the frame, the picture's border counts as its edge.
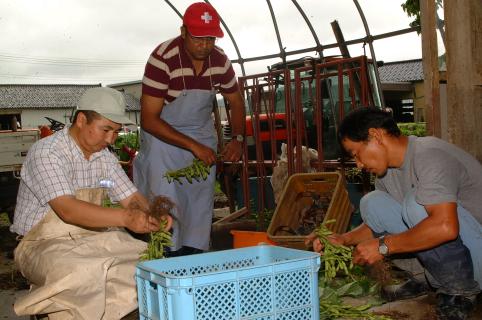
(353, 289)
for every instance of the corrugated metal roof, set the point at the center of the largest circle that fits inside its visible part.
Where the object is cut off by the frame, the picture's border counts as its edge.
(52, 96)
(24, 96)
(401, 71)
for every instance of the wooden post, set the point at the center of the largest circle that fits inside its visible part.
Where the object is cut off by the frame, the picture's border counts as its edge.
(463, 21)
(430, 67)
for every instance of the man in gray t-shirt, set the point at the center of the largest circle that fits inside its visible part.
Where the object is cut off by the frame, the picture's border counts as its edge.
(427, 202)
(438, 172)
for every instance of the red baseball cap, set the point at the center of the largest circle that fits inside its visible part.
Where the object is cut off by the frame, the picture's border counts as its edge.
(202, 20)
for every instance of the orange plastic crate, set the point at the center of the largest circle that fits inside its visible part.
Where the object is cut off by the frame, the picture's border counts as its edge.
(243, 239)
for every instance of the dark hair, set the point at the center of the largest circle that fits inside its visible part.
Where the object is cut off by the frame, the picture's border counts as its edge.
(90, 115)
(357, 122)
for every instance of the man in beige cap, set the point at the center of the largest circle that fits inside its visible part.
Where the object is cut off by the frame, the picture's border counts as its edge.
(76, 254)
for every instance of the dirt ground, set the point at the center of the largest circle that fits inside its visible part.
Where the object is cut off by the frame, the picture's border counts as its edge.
(12, 285)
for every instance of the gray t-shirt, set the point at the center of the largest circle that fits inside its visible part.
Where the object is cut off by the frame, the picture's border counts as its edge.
(438, 172)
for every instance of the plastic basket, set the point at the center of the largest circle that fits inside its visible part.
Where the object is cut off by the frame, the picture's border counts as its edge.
(296, 196)
(261, 282)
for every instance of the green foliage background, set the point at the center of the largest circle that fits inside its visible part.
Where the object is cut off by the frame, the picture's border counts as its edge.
(131, 140)
(414, 129)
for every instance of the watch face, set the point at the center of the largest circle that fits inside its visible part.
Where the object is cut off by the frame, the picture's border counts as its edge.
(383, 249)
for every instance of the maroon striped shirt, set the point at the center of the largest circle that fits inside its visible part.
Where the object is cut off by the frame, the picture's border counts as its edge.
(169, 64)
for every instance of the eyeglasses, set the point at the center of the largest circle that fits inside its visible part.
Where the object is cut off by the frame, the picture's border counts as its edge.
(202, 40)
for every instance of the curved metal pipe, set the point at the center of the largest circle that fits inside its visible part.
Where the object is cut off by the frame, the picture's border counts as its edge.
(372, 51)
(319, 47)
(240, 60)
(174, 8)
(275, 24)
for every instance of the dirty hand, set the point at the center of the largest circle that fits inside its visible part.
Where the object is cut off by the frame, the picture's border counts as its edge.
(318, 245)
(140, 222)
(204, 153)
(233, 151)
(366, 252)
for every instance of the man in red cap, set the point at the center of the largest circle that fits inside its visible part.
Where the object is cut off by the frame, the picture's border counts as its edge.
(181, 79)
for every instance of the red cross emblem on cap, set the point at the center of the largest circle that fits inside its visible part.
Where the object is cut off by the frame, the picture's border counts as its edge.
(206, 17)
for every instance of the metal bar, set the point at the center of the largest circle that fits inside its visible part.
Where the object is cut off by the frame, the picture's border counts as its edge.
(282, 53)
(298, 117)
(256, 132)
(240, 60)
(351, 85)
(341, 102)
(310, 26)
(364, 90)
(217, 125)
(288, 111)
(372, 52)
(271, 110)
(174, 8)
(260, 167)
(370, 84)
(344, 51)
(244, 169)
(319, 117)
(331, 45)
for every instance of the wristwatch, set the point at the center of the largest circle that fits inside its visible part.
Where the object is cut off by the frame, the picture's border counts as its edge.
(382, 246)
(239, 138)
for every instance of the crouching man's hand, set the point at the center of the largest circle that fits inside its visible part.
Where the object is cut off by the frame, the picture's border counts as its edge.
(312, 239)
(366, 252)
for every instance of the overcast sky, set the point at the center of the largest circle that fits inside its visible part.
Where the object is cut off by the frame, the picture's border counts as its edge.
(108, 41)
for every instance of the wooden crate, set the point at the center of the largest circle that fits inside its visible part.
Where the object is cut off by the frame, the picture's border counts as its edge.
(297, 196)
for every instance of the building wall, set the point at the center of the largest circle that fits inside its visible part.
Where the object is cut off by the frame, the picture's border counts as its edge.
(134, 89)
(394, 99)
(134, 116)
(419, 102)
(34, 118)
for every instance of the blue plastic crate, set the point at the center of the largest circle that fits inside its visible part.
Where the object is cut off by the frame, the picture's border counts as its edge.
(261, 282)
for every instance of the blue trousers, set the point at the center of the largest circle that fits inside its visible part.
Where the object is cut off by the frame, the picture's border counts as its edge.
(454, 267)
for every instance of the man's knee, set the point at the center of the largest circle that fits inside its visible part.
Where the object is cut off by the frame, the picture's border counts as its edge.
(371, 202)
(381, 212)
(412, 212)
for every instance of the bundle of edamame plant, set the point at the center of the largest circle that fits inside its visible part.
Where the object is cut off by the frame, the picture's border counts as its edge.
(335, 257)
(157, 243)
(331, 310)
(160, 206)
(197, 170)
(339, 258)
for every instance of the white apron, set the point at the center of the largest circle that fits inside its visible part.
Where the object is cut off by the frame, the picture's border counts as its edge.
(190, 114)
(78, 273)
